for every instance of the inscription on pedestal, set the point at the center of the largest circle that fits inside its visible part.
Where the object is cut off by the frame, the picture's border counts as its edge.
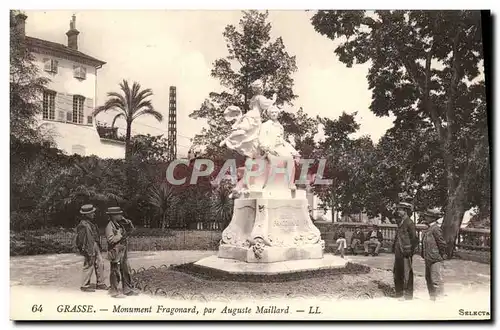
(270, 230)
(286, 220)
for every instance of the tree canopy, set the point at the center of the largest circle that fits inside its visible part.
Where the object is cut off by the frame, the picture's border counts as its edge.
(427, 70)
(26, 88)
(252, 55)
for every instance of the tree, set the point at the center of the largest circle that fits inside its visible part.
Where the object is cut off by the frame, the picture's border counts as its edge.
(409, 161)
(149, 148)
(252, 55)
(424, 65)
(131, 104)
(222, 204)
(34, 168)
(87, 180)
(26, 88)
(302, 129)
(162, 197)
(335, 149)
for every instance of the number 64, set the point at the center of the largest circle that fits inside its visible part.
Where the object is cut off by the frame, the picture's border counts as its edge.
(36, 308)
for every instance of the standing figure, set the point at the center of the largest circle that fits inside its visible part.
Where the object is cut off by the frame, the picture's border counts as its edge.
(405, 243)
(244, 136)
(341, 242)
(117, 231)
(434, 253)
(374, 238)
(87, 241)
(278, 151)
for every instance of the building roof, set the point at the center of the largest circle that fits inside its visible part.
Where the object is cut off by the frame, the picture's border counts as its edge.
(53, 48)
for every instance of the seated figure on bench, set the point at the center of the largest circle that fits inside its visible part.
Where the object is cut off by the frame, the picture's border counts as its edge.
(374, 238)
(357, 239)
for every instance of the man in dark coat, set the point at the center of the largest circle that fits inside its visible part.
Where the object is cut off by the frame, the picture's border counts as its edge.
(375, 238)
(117, 231)
(87, 242)
(405, 243)
(433, 252)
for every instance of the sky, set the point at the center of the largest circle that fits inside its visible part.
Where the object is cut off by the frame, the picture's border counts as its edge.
(165, 48)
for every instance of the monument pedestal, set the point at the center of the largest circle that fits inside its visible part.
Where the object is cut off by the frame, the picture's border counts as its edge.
(271, 227)
(232, 266)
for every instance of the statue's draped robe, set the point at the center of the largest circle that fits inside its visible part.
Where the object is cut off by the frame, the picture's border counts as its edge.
(280, 154)
(244, 137)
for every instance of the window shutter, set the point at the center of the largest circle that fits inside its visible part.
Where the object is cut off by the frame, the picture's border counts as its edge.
(60, 115)
(69, 116)
(88, 106)
(75, 71)
(46, 64)
(56, 65)
(60, 102)
(84, 72)
(89, 120)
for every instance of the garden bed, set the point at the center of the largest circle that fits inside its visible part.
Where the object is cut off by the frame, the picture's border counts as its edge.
(188, 281)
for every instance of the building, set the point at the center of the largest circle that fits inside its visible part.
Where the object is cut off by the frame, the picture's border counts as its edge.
(70, 97)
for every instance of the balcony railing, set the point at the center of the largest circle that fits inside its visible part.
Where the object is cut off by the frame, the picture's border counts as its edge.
(109, 133)
(468, 238)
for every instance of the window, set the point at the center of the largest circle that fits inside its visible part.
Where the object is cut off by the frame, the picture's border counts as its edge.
(50, 65)
(89, 120)
(78, 103)
(79, 72)
(49, 105)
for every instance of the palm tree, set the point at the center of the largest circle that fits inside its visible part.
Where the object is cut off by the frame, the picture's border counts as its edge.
(131, 104)
(163, 199)
(222, 204)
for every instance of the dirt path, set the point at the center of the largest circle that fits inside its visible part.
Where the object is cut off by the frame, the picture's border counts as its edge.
(64, 270)
(33, 277)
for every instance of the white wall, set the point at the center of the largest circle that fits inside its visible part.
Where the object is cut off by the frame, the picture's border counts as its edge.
(64, 82)
(73, 138)
(69, 137)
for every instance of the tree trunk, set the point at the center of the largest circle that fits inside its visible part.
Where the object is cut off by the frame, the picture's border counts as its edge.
(455, 210)
(128, 163)
(128, 151)
(455, 207)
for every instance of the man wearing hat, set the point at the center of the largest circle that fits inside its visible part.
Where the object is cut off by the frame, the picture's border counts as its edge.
(433, 252)
(87, 242)
(374, 238)
(116, 232)
(405, 243)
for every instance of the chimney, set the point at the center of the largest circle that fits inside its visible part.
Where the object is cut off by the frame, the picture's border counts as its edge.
(73, 34)
(21, 24)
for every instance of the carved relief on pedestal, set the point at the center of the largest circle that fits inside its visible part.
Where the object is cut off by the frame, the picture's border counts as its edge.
(258, 247)
(234, 235)
(260, 230)
(234, 238)
(315, 234)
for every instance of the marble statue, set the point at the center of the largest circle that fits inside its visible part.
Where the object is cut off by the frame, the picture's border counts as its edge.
(270, 221)
(278, 151)
(244, 136)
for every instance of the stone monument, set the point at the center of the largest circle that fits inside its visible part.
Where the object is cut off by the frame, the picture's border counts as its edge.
(270, 224)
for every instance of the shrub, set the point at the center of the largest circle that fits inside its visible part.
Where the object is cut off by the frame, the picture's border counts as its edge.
(26, 244)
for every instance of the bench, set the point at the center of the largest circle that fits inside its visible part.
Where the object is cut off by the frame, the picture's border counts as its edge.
(331, 244)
